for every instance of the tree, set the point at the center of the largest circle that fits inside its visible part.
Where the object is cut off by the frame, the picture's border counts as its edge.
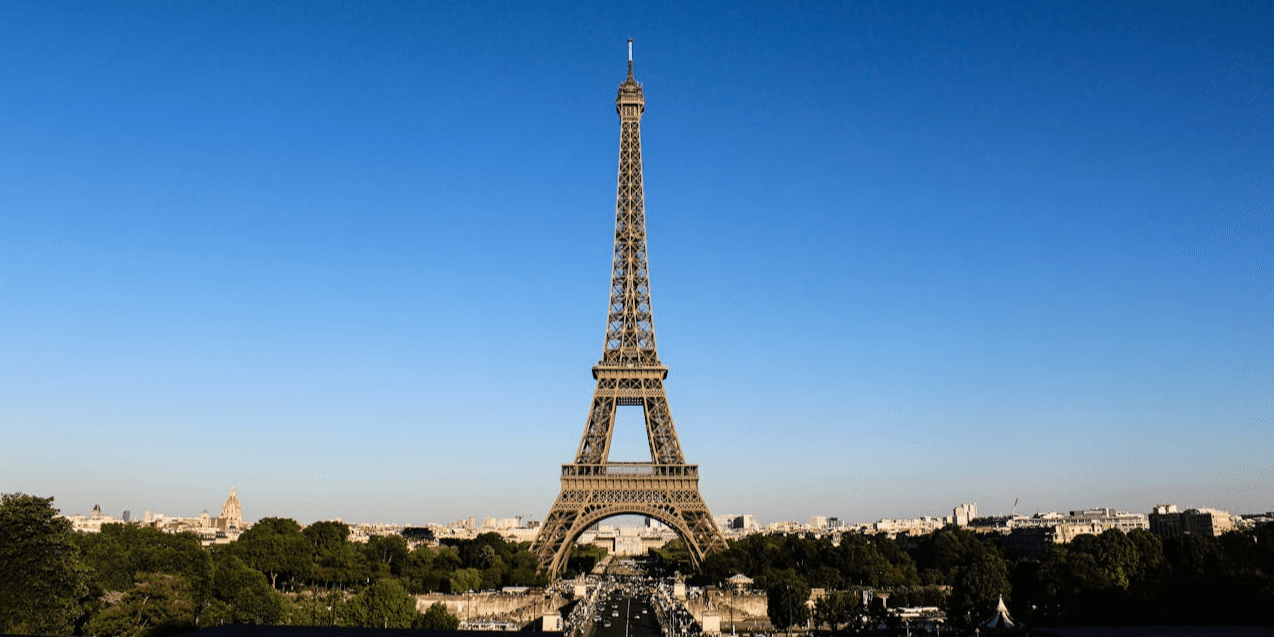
(837, 608)
(121, 553)
(327, 537)
(248, 597)
(42, 576)
(940, 553)
(318, 608)
(160, 604)
(386, 553)
(874, 561)
(1150, 562)
(1118, 555)
(437, 618)
(418, 571)
(977, 586)
(786, 598)
(465, 579)
(523, 568)
(384, 604)
(276, 547)
(585, 556)
(418, 534)
(330, 541)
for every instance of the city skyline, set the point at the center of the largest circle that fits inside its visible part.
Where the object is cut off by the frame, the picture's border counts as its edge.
(354, 260)
(480, 521)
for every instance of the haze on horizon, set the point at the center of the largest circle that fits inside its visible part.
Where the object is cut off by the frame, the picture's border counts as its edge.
(354, 259)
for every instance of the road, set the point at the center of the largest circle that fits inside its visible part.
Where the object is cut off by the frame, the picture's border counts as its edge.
(628, 617)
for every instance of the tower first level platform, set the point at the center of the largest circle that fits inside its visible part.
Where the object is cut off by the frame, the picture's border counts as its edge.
(593, 492)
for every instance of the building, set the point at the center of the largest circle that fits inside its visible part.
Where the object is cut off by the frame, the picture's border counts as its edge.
(916, 526)
(231, 513)
(737, 525)
(91, 523)
(1085, 522)
(1167, 521)
(210, 530)
(965, 513)
(1029, 536)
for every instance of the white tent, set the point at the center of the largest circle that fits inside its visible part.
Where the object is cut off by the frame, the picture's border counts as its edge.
(1002, 622)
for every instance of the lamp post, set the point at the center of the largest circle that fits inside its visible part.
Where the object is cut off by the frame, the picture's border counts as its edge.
(731, 608)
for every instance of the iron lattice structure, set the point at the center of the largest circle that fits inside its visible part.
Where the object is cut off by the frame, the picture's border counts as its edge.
(629, 374)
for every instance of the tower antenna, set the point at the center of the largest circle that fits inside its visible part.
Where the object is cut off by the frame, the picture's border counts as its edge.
(630, 49)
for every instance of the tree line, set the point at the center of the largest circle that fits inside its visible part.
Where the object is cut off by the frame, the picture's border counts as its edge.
(137, 581)
(1114, 578)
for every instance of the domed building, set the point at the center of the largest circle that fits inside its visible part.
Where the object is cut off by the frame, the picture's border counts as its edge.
(231, 513)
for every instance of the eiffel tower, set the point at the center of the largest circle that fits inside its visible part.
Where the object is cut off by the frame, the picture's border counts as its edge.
(629, 374)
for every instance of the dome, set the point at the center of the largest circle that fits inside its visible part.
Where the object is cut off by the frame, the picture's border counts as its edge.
(231, 511)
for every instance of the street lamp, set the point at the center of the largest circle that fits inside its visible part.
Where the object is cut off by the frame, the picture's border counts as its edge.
(731, 584)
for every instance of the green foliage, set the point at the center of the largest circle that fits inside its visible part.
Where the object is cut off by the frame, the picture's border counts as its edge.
(327, 538)
(465, 579)
(976, 587)
(501, 563)
(136, 581)
(42, 575)
(931, 595)
(940, 553)
(319, 608)
(786, 598)
(385, 554)
(121, 553)
(446, 559)
(1112, 578)
(276, 547)
(418, 571)
(583, 558)
(384, 604)
(418, 534)
(159, 604)
(861, 560)
(875, 561)
(1149, 549)
(246, 596)
(437, 618)
(335, 558)
(838, 610)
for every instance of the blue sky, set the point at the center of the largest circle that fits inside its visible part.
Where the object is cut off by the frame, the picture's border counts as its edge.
(354, 258)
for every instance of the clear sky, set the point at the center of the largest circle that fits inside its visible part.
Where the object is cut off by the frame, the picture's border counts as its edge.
(354, 257)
